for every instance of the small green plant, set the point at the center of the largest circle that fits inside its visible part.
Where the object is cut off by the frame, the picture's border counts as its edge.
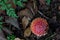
(10, 11)
(10, 37)
(20, 2)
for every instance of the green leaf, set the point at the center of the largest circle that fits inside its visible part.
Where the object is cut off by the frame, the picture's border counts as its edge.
(1, 18)
(9, 5)
(11, 13)
(14, 1)
(3, 6)
(19, 3)
(5, 1)
(1, 23)
(1, 3)
(10, 37)
(0, 0)
(48, 2)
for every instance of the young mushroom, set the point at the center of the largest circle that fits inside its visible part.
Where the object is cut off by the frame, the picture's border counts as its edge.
(39, 27)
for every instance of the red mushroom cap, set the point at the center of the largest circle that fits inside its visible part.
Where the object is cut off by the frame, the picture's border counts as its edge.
(39, 26)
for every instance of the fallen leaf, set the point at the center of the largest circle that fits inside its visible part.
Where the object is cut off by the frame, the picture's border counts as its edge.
(7, 30)
(27, 32)
(13, 21)
(25, 22)
(25, 12)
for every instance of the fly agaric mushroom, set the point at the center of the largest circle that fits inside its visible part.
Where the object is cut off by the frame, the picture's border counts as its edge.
(39, 27)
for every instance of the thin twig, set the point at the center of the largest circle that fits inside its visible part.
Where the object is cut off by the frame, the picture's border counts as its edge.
(43, 14)
(51, 36)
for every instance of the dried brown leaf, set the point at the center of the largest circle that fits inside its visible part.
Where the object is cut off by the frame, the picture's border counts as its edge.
(25, 22)
(25, 12)
(27, 32)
